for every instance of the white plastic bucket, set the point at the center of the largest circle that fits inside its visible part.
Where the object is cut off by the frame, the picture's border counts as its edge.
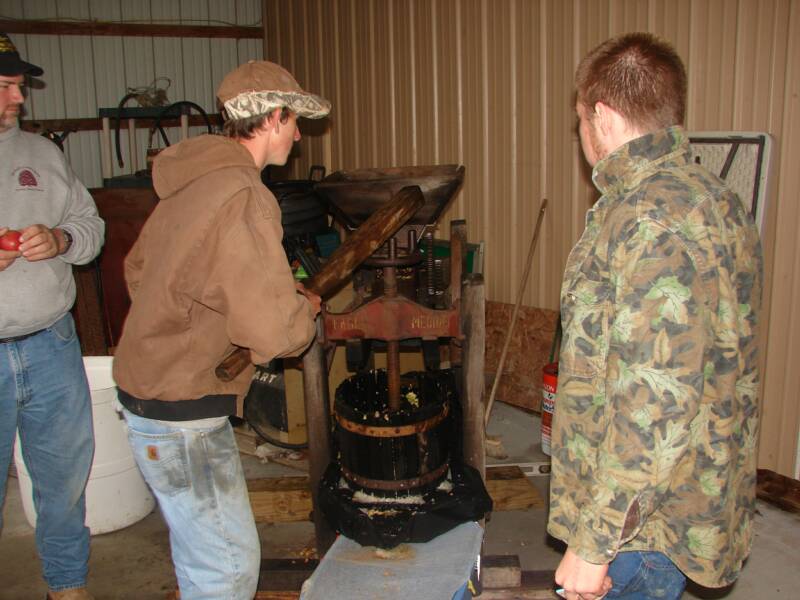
(116, 494)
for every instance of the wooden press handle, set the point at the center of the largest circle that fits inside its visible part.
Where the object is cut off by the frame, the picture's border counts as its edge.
(233, 364)
(358, 246)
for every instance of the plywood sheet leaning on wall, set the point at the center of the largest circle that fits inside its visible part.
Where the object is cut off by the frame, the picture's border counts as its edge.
(529, 351)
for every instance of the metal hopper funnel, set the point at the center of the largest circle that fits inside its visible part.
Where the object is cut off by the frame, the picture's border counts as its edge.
(352, 196)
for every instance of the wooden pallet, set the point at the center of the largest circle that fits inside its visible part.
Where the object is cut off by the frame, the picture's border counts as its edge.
(288, 499)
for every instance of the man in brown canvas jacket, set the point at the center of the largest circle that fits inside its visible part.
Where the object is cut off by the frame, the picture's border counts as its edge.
(209, 272)
(656, 421)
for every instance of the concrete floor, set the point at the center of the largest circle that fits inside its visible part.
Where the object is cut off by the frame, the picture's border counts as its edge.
(134, 563)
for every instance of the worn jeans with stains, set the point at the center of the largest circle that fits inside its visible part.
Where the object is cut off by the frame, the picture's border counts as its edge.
(45, 396)
(645, 575)
(197, 477)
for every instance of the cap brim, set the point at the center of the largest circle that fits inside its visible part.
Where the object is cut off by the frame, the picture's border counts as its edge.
(33, 70)
(10, 68)
(312, 107)
(254, 103)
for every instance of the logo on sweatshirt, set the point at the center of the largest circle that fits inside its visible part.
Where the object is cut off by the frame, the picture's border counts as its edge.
(27, 179)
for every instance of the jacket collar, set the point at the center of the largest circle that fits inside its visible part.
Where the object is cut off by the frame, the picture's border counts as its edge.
(629, 163)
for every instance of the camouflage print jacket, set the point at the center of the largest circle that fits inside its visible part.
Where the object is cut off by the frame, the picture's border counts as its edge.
(656, 419)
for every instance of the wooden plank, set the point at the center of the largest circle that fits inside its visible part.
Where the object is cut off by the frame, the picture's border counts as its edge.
(280, 499)
(284, 575)
(473, 324)
(778, 490)
(501, 572)
(247, 439)
(104, 28)
(536, 585)
(511, 490)
(318, 426)
(288, 499)
(92, 124)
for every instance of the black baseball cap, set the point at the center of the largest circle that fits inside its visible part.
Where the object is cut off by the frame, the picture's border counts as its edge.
(10, 62)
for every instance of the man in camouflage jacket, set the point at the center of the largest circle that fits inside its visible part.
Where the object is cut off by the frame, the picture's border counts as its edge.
(656, 419)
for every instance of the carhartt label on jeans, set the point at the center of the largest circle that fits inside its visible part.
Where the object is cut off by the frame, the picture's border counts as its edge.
(152, 453)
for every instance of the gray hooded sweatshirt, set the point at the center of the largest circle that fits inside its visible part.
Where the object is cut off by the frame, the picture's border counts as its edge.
(38, 186)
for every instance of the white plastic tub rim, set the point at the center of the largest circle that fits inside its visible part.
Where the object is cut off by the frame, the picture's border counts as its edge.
(98, 372)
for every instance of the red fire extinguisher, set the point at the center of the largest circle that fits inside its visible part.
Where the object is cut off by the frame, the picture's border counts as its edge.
(549, 388)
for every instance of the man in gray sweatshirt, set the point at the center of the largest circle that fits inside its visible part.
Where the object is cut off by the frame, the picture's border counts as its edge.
(44, 395)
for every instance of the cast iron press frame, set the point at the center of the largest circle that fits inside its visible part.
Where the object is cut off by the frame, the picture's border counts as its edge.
(392, 318)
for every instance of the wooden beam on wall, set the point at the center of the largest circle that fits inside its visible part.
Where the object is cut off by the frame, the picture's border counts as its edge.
(93, 124)
(98, 28)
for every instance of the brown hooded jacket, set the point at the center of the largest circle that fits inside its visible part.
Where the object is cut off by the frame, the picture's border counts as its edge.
(208, 271)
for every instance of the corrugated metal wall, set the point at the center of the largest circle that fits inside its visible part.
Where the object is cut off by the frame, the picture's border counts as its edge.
(84, 73)
(488, 84)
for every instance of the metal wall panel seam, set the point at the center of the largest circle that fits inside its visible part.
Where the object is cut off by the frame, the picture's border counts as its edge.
(327, 158)
(373, 114)
(546, 149)
(764, 37)
(435, 75)
(651, 16)
(338, 78)
(309, 155)
(460, 105)
(412, 59)
(355, 80)
(278, 32)
(292, 66)
(484, 205)
(791, 277)
(392, 84)
(776, 290)
(515, 198)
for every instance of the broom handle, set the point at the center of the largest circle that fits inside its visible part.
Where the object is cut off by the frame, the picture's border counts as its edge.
(514, 314)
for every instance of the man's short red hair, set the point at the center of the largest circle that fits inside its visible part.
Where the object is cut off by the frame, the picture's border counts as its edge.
(638, 75)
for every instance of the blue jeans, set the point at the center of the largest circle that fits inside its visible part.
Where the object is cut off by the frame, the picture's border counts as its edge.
(645, 575)
(196, 475)
(44, 394)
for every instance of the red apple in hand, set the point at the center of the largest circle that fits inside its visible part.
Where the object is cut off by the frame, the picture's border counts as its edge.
(10, 240)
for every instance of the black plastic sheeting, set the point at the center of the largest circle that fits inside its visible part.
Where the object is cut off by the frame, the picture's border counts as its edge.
(388, 525)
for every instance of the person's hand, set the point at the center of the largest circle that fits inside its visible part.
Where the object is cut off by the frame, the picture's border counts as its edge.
(39, 242)
(582, 580)
(316, 301)
(7, 256)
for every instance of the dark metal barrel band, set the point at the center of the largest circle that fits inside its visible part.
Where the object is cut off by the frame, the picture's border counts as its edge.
(395, 485)
(390, 431)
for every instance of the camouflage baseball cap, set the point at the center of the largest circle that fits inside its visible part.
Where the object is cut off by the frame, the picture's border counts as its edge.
(10, 62)
(259, 87)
